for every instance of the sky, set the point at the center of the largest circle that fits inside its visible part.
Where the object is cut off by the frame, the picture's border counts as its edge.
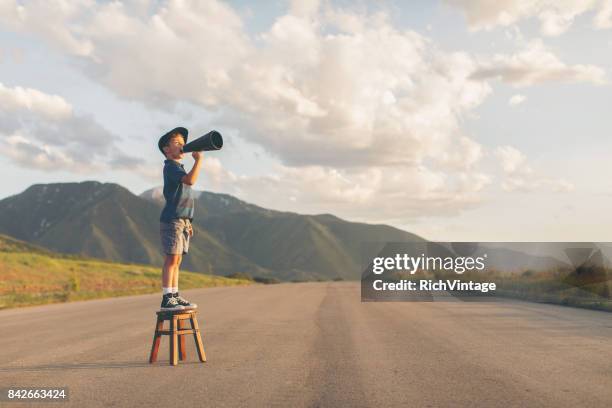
(458, 120)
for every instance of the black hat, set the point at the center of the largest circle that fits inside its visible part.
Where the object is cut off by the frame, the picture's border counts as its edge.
(163, 141)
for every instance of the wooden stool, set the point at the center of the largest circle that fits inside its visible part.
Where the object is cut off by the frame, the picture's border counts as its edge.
(176, 333)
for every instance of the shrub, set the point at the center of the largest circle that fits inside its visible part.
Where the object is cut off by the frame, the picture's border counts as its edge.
(240, 275)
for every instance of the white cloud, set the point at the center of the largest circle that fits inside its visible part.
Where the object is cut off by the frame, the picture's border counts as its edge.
(58, 21)
(27, 153)
(603, 19)
(519, 176)
(374, 194)
(555, 16)
(41, 131)
(536, 64)
(50, 106)
(360, 115)
(377, 96)
(512, 160)
(516, 99)
(528, 185)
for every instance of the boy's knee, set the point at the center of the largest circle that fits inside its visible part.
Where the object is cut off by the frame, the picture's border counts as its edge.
(173, 259)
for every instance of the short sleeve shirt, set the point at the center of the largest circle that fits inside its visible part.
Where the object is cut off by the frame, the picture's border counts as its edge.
(179, 197)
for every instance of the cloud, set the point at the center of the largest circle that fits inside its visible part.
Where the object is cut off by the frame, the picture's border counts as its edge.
(535, 64)
(18, 98)
(603, 19)
(516, 99)
(519, 176)
(28, 154)
(360, 115)
(532, 185)
(58, 21)
(555, 16)
(42, 131)
(375, 194)
(512, 160)
(374, 97)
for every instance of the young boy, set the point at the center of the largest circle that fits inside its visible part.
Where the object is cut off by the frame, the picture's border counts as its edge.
(175, 219)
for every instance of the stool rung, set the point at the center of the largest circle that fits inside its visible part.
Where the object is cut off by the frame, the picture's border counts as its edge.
(178, 332)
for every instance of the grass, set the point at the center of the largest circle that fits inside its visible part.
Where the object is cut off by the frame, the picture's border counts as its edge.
(35, 278)
(590, 290)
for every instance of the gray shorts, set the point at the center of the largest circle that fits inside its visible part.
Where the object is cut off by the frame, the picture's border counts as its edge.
(175, 236)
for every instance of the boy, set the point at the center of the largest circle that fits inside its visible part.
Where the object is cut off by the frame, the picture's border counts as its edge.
(175, 219)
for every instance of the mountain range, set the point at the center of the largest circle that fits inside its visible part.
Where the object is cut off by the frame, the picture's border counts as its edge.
(105, 220)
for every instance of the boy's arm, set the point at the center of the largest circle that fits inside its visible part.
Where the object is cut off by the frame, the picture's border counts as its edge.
(191, 177)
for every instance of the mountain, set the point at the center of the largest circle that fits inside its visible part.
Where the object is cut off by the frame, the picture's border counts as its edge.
(109, 222)
(294, 246)
(10, 244)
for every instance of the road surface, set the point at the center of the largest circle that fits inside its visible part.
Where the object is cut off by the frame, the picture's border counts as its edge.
(314, 345)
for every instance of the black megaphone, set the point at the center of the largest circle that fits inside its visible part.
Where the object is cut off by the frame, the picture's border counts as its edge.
(210, 141)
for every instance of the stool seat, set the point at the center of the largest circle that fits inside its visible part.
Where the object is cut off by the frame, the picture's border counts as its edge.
(176, 332)
(173, 312)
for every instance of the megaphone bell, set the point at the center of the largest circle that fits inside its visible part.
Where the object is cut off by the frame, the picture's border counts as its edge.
(210, 141)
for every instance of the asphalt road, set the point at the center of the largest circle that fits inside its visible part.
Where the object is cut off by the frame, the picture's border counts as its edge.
(314, 345)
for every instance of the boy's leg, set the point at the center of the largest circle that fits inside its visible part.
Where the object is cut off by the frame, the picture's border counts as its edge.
(181, 300)
(170, 269)
(170, 266)
(175, 274)
(172, 246)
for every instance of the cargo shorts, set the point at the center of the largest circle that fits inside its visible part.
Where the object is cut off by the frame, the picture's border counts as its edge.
(175, 236)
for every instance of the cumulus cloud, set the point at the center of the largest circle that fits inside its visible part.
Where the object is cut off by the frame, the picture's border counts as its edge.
(377, 195)
(59, 21)
(18, 98)
(555, 16)
(358, 113)
(516, 99)
(603, 18)
(512, 160)
(377, 96)
(519, 176)
(42, 131)
(536, 64)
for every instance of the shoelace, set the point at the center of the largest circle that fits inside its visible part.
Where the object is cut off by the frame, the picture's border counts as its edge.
(172, 301)
(181, 299)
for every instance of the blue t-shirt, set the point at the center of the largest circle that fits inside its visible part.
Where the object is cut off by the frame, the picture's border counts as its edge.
(179, 196)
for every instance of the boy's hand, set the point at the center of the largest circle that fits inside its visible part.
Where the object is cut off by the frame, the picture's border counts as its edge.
(191, 177)
(190, 230)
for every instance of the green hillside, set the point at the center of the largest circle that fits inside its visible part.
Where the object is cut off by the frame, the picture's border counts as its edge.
(300, 246)
(31, 275)
(9, 244)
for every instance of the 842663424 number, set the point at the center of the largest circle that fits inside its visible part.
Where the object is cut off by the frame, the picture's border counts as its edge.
(34, 393)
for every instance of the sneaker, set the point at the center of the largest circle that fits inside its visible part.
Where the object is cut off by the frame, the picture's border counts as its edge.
(170, 303)
(184, 302)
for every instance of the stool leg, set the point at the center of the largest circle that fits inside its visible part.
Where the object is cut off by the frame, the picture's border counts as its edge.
(197, 338)
(156, 339)
(181, 342)
(173, 342)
